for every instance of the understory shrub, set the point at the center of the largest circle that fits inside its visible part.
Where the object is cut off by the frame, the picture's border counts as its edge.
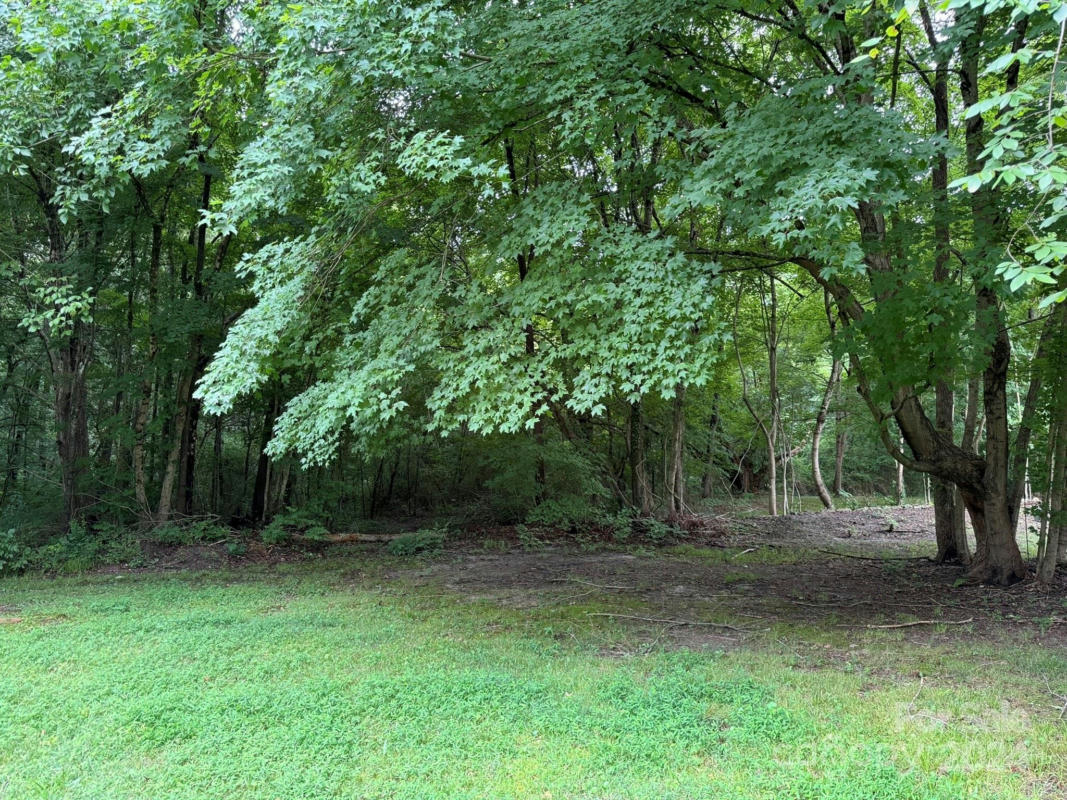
(186, 533)
(427, 540)
(293, 522)
(76, 550)
(12, 554)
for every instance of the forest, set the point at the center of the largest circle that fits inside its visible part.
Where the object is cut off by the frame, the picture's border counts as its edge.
(547, 398)
(351, 261)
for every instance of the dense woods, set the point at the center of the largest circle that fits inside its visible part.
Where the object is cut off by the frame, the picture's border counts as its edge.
(539, 262)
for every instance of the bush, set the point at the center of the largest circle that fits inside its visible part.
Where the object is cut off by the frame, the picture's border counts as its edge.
(293, 521)
(565, 512)
(626, 523)
(12, 553)
(118, 544)
(174, 533)
(75, 551)
(428, 540)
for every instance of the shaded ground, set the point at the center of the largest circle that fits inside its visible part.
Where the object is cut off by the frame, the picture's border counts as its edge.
(841, 569)
(836, 570)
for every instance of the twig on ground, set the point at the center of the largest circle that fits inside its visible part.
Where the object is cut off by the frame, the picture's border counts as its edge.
(668, 621)
(1057, 695)
(873, 558)
(749, 550)
(590, 583)
(828, 605)
(911, 705)
(916, 622)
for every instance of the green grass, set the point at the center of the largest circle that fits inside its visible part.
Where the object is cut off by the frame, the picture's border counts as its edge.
(327, 679)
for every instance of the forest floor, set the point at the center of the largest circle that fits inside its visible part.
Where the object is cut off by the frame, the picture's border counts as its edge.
(815, 657)
(834, 570)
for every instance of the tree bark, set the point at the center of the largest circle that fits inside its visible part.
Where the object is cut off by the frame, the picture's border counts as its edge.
(772, 387)
(983, 481)
(949, 528)
(1055, 537)
(640, 490)
(1054, 521)
(675, 479)
(840, 445)
(997, 558)
(140, 424)
(900, 494)
(708, 478)
(72, 428)
(260, 489)
(171, 469)
(816, 436)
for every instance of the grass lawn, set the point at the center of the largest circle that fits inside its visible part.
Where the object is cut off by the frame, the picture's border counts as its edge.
(338, 678)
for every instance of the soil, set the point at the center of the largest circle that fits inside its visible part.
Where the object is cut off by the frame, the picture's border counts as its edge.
(835, 570)
(847, 570)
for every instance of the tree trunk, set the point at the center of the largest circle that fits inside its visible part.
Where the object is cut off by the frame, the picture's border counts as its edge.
(72, 428)
(1055, 538)
(772, 387)
(997, 558)
(816, 436)
(840, 444)
(707, 480)
(949, 528)
(217, 471)
(140, 424)
(1054, 520)
(900, 495)
(170, 472)
(262, 484)
(641, 492)
(675, 479)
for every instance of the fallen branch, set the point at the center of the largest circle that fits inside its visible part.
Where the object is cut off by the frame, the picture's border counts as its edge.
(590, 583)
(913, 624)
(667, 621)
(1058, 696)
(874, 558)
(343, 538)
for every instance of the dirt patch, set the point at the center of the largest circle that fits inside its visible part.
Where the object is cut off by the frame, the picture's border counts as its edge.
(836, 570)
(870, 528)
(206, 557)
(841, 570)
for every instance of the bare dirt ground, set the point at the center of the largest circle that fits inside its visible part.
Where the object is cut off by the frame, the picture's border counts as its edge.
(842, 569)
(865, 569)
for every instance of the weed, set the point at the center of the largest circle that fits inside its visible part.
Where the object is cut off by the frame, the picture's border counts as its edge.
(187, 533)
(12, 554)
(293, 521)
(236, 547)
(75, 551)
(528, 539)
(735, 577)
(428, 540)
